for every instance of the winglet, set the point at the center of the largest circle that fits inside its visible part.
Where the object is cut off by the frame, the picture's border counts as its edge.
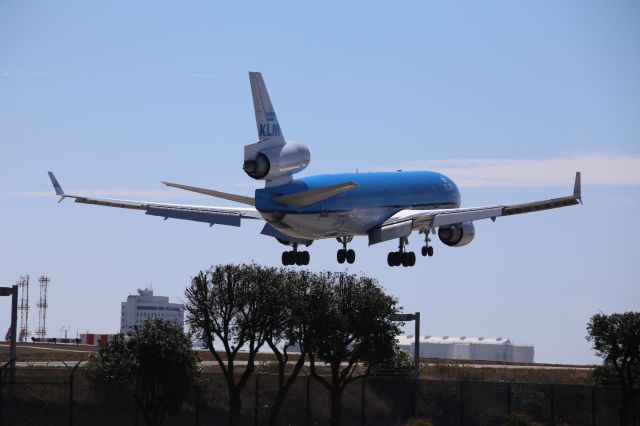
(56, 186)
(577, 188)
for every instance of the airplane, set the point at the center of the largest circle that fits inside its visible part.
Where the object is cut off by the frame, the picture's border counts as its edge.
(382, 206)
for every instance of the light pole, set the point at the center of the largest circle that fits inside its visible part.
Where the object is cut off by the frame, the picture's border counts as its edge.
(416, 353)
(416, 350)
(13, 292)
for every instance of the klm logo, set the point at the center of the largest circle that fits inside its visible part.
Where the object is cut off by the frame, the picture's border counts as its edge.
(269, 130)
(270, 116)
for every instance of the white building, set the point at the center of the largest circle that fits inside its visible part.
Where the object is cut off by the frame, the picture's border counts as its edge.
(145, 305)
(468, 348)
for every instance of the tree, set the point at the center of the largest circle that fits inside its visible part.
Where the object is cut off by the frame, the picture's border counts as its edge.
(350, 322)
(154, 364)
(616, 338)
(302, 292)
(400, 364)
(233, 305)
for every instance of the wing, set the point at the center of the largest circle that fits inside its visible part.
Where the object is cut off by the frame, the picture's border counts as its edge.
(312, 196)
(212, 215)
(404, 222)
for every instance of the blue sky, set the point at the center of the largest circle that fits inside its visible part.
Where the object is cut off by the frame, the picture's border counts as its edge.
(508, 98)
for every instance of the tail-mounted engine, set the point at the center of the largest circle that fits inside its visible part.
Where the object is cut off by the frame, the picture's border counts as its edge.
(264, 162)
(457, 235)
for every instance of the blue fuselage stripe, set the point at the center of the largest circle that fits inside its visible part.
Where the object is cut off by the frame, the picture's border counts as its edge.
(392, 190)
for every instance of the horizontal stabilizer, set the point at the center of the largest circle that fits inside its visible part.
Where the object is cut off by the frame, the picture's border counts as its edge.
(312, 196)
(225, 195)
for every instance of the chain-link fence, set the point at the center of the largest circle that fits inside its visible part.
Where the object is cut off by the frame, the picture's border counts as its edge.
(58, 396)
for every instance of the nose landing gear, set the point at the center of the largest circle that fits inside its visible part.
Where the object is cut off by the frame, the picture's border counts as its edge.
(344, 254)
(401, 257)
(427, 250)
(295, 257)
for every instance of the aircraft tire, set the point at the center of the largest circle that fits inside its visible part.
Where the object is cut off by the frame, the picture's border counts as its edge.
(305, 257)
(411, 258)
(286, 258)
(430, 251)
(341, 256)
(351, 256)
(390, 259)
(424, 251)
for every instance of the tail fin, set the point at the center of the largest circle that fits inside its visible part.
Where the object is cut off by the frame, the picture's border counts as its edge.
(268, 127)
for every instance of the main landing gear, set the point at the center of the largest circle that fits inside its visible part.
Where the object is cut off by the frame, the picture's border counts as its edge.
(344, 254)
(295, 257)
(401, 257)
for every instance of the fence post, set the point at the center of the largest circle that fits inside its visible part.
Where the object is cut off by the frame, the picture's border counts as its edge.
(197, 404)
(593, 405)
(256, 401)
(308, 401)
(72, 375)
(553, 406)
(363, 400)
(1, 383)
(509, 399)
(6, 414)
(415, 396)
(461, 402)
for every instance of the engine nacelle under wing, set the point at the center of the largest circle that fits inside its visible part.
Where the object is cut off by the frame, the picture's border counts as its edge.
(264, 162)
(458, 234)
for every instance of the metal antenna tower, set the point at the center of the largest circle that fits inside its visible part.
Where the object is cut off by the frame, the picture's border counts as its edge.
(23, 308)
(41, 331)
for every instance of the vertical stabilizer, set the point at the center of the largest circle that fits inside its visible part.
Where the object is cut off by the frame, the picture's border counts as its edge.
(269, 131)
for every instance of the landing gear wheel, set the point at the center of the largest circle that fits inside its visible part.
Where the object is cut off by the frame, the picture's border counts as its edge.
(305, 257)
(394, 258)
(424, 251)
(342, 255)
(429, 251)
(390, 259)
(411, 258)
(350, 256)
(286, 258)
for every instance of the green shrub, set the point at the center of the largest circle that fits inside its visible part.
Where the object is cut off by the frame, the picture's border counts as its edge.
(418, 422)
(520, 419)
(605, 375)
